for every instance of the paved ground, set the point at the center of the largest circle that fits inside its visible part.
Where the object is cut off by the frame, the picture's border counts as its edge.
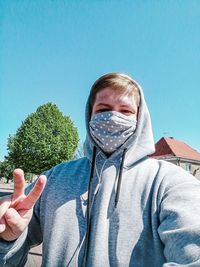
(5, 189)
(34, 257)
(35, 254)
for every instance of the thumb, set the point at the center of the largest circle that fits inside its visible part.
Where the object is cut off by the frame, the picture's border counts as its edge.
(4, 205)
(2, 225)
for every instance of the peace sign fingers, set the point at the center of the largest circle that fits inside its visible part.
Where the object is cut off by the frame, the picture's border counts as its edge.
(16, 210)
(29, 201)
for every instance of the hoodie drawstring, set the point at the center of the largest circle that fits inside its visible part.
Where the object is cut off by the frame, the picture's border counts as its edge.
(89, 204)
(120, 178)
(87, 238)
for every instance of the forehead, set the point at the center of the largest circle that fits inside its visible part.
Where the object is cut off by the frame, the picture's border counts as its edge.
(113, 96)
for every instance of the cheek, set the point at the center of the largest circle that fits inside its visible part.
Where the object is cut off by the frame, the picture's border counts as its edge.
(92, 111)
(134, 116)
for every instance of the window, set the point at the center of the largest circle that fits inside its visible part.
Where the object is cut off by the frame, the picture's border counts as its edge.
(188, 166)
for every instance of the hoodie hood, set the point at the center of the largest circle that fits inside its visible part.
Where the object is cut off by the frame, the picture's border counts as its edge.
(138, 146)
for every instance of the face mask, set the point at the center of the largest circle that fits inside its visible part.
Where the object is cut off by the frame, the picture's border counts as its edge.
(111, 129)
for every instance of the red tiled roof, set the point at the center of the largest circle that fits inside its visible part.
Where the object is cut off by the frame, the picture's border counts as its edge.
(168, 146)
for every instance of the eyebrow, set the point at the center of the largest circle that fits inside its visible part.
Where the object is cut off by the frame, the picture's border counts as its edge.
(102, 104)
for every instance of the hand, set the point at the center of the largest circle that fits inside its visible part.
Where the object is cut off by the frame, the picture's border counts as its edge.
(16, 210)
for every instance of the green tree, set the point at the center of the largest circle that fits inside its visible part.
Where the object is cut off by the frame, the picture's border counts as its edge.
(44, 139)
(6, 169)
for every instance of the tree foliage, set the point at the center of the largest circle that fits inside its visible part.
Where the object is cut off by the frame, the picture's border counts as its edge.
(44, 139)
(6, 169)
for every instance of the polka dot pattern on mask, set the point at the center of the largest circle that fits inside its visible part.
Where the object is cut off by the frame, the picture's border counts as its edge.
(111, 129)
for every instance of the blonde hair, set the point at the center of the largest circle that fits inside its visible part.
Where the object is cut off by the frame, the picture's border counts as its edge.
(117, 81)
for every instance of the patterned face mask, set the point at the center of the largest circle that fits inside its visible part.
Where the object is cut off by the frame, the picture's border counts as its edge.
(111, 129)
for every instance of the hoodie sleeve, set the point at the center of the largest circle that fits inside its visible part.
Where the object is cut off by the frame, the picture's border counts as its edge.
(179, 227)
(14, 253)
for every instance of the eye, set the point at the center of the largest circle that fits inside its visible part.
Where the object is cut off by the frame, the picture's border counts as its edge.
(102, 110)
(127, 112)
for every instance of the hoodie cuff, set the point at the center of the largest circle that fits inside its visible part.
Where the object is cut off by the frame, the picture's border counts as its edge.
(11, 247)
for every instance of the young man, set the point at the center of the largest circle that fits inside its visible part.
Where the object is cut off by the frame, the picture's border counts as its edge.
(115, 206)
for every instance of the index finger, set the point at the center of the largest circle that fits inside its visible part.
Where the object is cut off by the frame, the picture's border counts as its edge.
(19, 183)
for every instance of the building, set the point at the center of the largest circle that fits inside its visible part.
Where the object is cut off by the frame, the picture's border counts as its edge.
(179, 153)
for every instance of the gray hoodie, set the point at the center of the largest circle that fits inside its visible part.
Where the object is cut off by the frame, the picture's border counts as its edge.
(142, 212)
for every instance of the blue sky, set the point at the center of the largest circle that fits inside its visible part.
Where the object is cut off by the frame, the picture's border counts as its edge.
(55, 50)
